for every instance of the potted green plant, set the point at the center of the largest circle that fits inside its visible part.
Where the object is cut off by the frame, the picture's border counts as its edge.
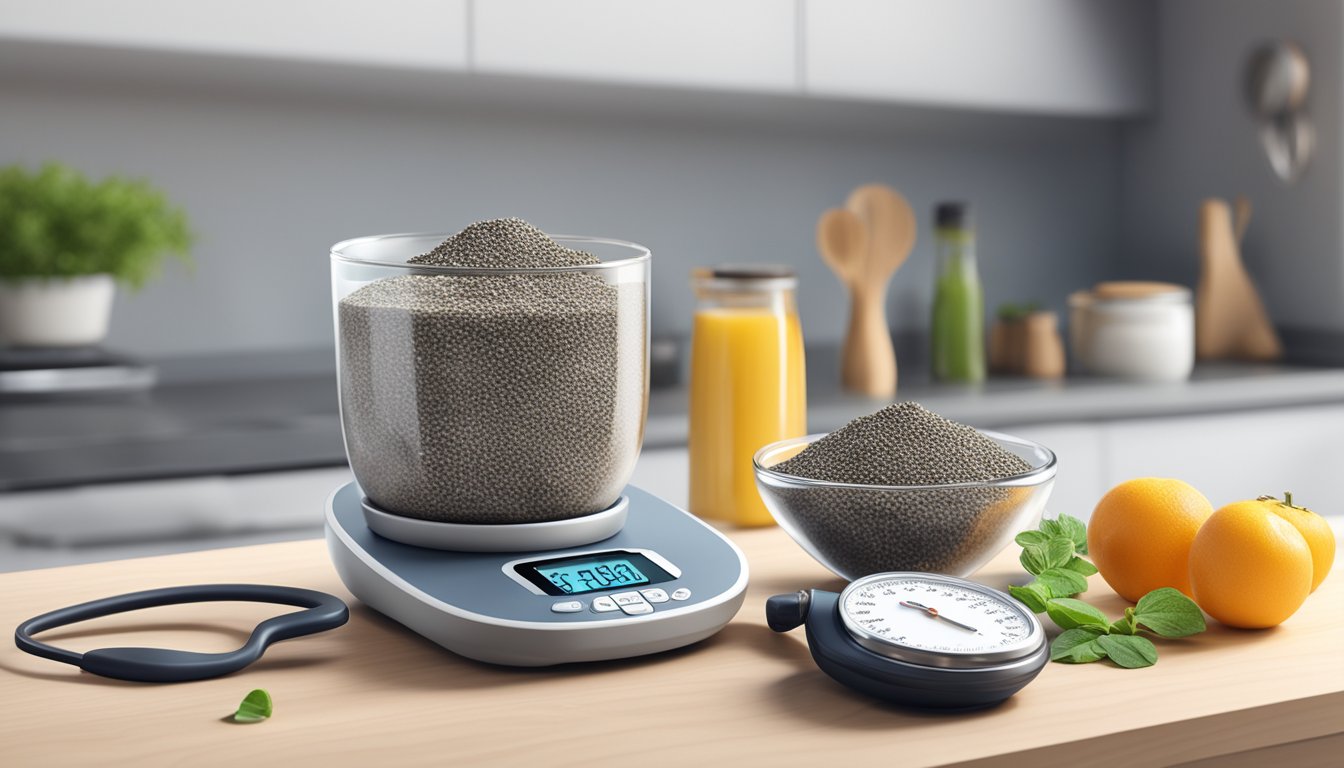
(65, 241)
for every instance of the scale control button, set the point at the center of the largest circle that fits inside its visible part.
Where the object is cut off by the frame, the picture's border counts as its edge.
(636, 609)
(654, 595)
(567, 606)
(627, 598)
(604, 604)
(681, 594)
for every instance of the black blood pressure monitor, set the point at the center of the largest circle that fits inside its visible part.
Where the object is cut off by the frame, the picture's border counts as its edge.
(919, 639)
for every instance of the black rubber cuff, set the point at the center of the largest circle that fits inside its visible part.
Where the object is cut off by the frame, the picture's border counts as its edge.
(165, 665)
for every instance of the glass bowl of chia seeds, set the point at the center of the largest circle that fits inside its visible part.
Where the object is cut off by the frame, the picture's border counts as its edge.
(495, 376)
(856, 529)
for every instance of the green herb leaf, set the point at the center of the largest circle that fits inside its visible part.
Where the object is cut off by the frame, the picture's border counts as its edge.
(1033, 558)
(1073, 529)
(1169, 613)
(1059, 551)
(1069, 613)
(1077, 646)
(1032, 595)
(1062, 582)
(1125, 625)
(1079, 565)
(256, 707)
(1028, 538)
(1129, 651)
(1054, 553)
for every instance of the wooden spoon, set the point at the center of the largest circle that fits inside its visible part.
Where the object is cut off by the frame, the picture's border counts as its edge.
(843, 241)
(891, 228)
(847, 245)
(868, 360)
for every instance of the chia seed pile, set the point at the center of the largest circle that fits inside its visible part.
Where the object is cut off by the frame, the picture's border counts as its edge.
(946, 530)
(508, 398)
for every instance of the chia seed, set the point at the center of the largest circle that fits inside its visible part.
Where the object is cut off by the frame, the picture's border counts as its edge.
(860, 531)
(904, 444)
(507, 398)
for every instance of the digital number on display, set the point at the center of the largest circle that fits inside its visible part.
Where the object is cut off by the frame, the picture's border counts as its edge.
(591, 576)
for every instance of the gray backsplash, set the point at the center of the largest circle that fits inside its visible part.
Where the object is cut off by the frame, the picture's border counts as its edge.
(1202, 142)
(271, 180)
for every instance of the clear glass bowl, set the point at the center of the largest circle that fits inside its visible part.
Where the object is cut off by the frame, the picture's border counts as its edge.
(856, 530)
(491, 395)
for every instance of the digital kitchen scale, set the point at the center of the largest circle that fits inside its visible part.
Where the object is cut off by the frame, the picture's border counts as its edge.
(663, 580)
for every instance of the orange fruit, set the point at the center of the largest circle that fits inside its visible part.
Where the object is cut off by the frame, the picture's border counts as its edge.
(1140, 533)
(1249, 567)
(1314, 528)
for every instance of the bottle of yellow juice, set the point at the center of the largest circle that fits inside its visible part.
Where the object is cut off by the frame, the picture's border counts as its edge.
(747, 384)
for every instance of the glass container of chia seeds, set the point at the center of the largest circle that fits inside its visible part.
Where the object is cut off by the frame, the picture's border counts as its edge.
(494, 376)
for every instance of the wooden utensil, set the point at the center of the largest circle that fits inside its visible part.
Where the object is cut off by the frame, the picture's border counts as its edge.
(864, 244)
(1230, 318)
(866, 365)
(1042, 347)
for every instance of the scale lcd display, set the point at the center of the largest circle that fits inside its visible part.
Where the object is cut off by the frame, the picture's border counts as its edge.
(590, 577)
(617, 569)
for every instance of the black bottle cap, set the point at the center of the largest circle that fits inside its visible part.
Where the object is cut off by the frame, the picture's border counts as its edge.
(952, 215)
(753, 271)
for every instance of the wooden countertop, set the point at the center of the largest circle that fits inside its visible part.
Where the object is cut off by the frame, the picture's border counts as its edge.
(373, 693)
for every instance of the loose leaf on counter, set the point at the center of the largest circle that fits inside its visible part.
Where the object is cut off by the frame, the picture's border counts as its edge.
(1077, 646)
(256, 707)
(1032, 595)
(1169, 613)
(1079, 565)
(1069, 613)
(1129, 651)
(1062, 582)
(1068, 527)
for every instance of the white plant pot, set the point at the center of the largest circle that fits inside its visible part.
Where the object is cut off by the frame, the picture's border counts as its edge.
(56, 311)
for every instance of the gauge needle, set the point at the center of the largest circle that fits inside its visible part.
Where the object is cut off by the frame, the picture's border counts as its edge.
(933, 612)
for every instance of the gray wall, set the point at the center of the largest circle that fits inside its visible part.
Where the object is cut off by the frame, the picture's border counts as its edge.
(1201, 142)
(271, 177)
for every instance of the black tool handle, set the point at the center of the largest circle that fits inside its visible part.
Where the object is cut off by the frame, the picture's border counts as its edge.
(786, 612)
(165, 665)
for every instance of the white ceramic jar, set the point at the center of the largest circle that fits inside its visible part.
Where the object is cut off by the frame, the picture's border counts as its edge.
(1142, 331)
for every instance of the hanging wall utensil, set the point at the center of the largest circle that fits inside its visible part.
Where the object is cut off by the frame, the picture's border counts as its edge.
(1278, 79)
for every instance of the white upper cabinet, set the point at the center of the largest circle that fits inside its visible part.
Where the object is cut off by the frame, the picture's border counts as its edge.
(1078, 57)
(414, 33)
(733, 44)
(1069, 57)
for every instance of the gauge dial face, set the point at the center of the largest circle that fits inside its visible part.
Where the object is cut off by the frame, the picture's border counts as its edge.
(938, 620)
